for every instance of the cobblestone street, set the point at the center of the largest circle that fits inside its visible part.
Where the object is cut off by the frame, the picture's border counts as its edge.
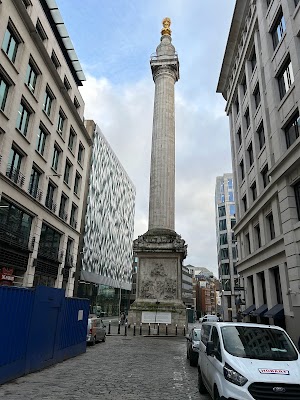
(124, 367)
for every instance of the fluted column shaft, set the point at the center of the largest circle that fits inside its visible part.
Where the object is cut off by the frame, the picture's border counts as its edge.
(162, 178)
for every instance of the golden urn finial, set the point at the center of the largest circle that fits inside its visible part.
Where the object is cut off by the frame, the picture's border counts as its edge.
(166, 27)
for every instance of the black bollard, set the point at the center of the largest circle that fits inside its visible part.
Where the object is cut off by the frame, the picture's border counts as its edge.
(109, 327)
(166, 329)
(119, 327)
(183, 330)
(176, 329)
(140, 328)
(125, 333)
(149, 330)
(134, 329)
(158, 329)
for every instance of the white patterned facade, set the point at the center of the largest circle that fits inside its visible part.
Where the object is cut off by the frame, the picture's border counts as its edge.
(109, 222)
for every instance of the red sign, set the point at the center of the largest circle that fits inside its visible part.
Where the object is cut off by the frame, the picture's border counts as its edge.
(6, 276)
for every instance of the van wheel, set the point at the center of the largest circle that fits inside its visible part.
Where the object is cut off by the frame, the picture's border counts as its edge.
(216, 394)
(103, 340)
(201, 387)
(94, 341)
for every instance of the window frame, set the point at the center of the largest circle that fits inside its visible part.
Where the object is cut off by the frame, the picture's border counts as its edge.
(38, 142)
(278, 29)
(285, 78)
(23, 129)
(67, 171)
(48, 101)
(261, 136)
(17, 39)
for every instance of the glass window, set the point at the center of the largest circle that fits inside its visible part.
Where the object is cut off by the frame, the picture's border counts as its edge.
(244, 200)
(4, 86)
(261, 136)
(247, 118)
(222, 225)
(226, 284)
(34, 182)
(205, 331)
(247, 244)
(48, 100)
(80, 156)
(72, 140)
(23, 119)
(271, 226)
(256, 95)
(55, 159)
(76, 102)
(239, 136)
(264, 174)
(257, 236)
(67, 84)
(225, 269)
(49, 242)
(63, 206)
(278, 30)
(60, 123)
(50, 197)
(224, 254)
(222, 211)
(254, 191)
(237, 105)
(244, 84)
(40, 30)
(14, 165)
(230, 183)
(41, 140)
(77, 183)
(10, 44)
(285, 79)
(297, 196)
(292, 130)
(67, 172)
(216, 342)
(232, 209)
(242, 170)
(73, 216)
(55, 60)
(258, 343)
(250, 154)
(223, 239)
(31, 76)
(230, 196)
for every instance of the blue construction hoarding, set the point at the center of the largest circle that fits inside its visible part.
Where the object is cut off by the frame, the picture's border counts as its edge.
(39, 327)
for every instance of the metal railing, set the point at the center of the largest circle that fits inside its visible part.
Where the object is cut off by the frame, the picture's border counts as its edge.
(49, 203)
(36, 193)
(13, 236)
(15, 175)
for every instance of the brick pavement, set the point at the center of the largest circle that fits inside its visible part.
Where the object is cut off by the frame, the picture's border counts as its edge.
(124, 367)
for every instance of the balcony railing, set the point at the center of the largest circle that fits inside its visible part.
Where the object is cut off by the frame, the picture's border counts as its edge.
(36, 193)
(63, 215)
(50, 253)
(49, 203)
(13, 236)
(15, 175)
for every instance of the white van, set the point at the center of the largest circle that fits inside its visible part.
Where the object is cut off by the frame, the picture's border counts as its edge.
(209, 317)
(243, 361)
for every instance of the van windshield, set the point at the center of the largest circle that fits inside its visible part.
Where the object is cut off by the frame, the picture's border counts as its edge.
(258, 343)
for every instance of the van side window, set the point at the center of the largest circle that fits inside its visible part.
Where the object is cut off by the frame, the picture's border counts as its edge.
(216, 341)
(205, 334)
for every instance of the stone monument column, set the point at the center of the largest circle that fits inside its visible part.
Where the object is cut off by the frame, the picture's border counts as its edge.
(161, 250)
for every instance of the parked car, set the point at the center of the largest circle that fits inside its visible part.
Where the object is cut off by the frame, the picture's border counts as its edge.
(192, 350)
(96, 330)
(209, 317)
(247, 361)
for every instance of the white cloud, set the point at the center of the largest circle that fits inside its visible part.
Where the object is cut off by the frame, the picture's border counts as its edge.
(124, 114)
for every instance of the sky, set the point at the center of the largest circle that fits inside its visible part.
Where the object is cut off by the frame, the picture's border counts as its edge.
(114, 40)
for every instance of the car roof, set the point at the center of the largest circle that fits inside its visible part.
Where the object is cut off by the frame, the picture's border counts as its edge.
(246, 324)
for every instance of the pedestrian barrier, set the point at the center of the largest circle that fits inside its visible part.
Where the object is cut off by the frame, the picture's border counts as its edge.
(148, 329)
(40, 327)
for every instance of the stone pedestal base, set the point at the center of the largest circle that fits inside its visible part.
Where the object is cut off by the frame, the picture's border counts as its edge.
(176, 311)
(159, 282)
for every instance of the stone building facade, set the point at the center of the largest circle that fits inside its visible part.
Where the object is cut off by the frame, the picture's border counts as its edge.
(44, 146)
(260, 81)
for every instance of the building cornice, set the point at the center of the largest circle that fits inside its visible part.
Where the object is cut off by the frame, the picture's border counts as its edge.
(239, 15)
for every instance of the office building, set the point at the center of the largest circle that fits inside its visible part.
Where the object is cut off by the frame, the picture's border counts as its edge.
(226, 245)
(259, 79)
(44, 146)
(106, 254)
